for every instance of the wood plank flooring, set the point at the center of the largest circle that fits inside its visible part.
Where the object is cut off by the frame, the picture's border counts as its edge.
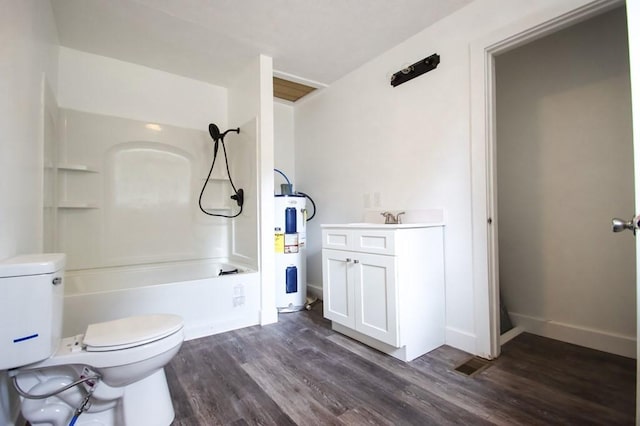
(300, 372)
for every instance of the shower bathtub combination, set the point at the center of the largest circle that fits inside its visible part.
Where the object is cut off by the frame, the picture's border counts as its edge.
(124, 209)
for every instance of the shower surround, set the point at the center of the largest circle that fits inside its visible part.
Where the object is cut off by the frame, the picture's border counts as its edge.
(128, 219)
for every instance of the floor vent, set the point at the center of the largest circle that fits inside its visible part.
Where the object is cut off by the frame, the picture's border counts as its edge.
(472, 366)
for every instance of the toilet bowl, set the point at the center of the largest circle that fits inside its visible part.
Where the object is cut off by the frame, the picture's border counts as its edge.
(118, 366)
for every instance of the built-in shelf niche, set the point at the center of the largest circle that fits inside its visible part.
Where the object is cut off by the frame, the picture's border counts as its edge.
(65, 170)
(217, 195)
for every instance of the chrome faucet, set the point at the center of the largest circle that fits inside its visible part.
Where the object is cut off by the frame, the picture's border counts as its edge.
(390, 219)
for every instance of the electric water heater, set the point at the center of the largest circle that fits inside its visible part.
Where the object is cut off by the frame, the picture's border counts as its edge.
(290, 224)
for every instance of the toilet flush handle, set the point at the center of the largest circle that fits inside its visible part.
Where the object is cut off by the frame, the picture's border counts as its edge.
(56, 281)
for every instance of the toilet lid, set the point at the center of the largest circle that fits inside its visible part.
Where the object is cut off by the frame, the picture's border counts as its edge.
(131, 331)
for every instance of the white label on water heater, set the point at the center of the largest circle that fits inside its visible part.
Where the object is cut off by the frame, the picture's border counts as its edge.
(290, 243)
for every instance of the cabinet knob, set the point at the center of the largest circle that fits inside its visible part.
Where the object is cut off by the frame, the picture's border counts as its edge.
(356, 261)
(348, 259)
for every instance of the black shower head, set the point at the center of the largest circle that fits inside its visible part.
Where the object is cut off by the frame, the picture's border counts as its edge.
(214, 132)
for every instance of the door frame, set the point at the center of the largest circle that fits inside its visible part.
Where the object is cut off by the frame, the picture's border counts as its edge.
(633, 25)
(483, 154)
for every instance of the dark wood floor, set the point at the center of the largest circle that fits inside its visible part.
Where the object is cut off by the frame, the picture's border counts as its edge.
(299, 372)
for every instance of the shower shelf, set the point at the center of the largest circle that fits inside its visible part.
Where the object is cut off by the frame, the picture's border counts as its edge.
(76, 168)
(77, 205)
(217, 208)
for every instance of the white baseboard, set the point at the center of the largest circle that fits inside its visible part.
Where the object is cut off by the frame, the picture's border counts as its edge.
(314, 290)
(510, 335)
(582, 336)
(460, 339)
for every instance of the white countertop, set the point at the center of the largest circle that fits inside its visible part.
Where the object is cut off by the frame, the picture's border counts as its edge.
(367, 225)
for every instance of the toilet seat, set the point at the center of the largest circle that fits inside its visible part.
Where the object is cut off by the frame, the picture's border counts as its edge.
(168, 332)
(129, 332)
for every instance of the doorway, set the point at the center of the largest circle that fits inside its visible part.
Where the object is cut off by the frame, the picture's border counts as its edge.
(483, 157)
(563, 168)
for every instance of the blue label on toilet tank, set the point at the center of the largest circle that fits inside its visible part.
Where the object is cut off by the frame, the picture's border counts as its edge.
(22, 339)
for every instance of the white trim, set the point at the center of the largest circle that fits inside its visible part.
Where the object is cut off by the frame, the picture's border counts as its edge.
(283, 101)
(483, 200)
(268, 310)
(578, 335)
(290, 77)
(510, 335)
(460, 339)
(633, 25)
(314, 290)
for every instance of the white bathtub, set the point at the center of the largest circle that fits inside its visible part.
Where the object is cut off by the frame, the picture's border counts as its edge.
(209, 303)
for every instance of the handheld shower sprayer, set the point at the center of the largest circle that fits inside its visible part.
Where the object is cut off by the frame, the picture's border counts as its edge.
(214, 131)
(238, 194)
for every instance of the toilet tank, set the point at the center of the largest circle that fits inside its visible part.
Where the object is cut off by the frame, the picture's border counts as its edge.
(31, 301)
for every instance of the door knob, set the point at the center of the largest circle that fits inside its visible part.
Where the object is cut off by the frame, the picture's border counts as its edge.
(619, 225)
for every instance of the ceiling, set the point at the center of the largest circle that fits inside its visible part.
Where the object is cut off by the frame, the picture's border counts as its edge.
(317, 41)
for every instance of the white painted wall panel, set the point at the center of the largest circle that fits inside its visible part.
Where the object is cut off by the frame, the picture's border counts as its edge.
(283, 143)
(251, 101)
(27, 52)
(102, 85)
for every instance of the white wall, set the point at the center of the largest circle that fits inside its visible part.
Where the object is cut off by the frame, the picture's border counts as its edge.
(28, 49)
(565, 168)
(102, 85)
(251, 101)
(410, 143)
(283, 144)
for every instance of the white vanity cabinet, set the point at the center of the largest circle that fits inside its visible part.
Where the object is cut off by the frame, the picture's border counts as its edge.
(384, 285)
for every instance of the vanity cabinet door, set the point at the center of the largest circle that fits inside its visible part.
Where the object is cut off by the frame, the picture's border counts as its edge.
(376, 297)
(337, 291)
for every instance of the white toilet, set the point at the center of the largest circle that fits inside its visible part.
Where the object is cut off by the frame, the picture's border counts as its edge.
(120, 363)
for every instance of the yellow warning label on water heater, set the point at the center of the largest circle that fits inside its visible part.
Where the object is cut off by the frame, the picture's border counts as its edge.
(279, 240)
